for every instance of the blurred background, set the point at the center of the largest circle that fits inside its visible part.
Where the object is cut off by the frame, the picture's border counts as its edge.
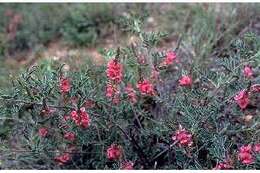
(30, 33)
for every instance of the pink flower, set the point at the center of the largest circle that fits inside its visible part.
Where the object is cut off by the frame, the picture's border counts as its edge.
(183, 138)
(114, 152)
(223, 166)
(70, 136)
(246, 148)
(145, 87)
(112, 92)
(81, 118)
(170, 57)
(185, 81)
(43, 132)
(65, 85)
(85, 120)
(245, 154)
(114, 71)
(257, 148)
(248, 72)
(127, 165)
(63, 158)
(242, 99)
(75, 117)
(131, 93)
(66, 117)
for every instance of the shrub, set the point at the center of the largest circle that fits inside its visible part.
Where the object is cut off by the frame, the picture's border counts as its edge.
(26, 26)
(144, 109)
(85, 23)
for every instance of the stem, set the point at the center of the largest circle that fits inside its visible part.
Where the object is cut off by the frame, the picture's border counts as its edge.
(35, 103)
(140, 152)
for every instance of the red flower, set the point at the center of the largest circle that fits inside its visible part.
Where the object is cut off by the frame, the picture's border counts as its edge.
(75, 117)
(185, 81)
(127, 165)
(242, 99)
(114, 71)
(223, 166)
(81, 119)
(257, 148)
(63, 158)
(43, 132)
(112, 92)
(114, 152)
(131, 93)
(170, 57)
(145, 87)
(65, 85)
(70, 136)
(66, 117)
(85, 120)
(183, 138)
(248, 72)
(245, 154)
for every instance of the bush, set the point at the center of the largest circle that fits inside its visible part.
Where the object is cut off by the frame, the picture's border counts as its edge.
(85, 23)
(25, 26)
(145, 109)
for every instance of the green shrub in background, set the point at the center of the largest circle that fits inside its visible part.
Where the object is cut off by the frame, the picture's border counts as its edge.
(40, 24)
(78, 24)
(85, 23)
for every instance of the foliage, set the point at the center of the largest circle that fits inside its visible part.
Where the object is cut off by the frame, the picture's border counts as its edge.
(39, 24)
(147, 130)
(85, 24)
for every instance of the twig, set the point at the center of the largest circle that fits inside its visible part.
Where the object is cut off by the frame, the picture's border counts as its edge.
(162, 152)
(35, 103)
(140, 152)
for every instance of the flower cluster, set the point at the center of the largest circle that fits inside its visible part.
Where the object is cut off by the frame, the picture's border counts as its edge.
(242, 99)
(185, 81)
(114, 152)
(113, 93)
(127, 165)
(246, 153)
(223, 166)
(63, 159)
(131, 93)
(170, 57)
(146, 87)
(182, 137)
(43, 132)
(248, 72)
(65, 85)
(81, 118)
(114, 71)
(70, 136)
